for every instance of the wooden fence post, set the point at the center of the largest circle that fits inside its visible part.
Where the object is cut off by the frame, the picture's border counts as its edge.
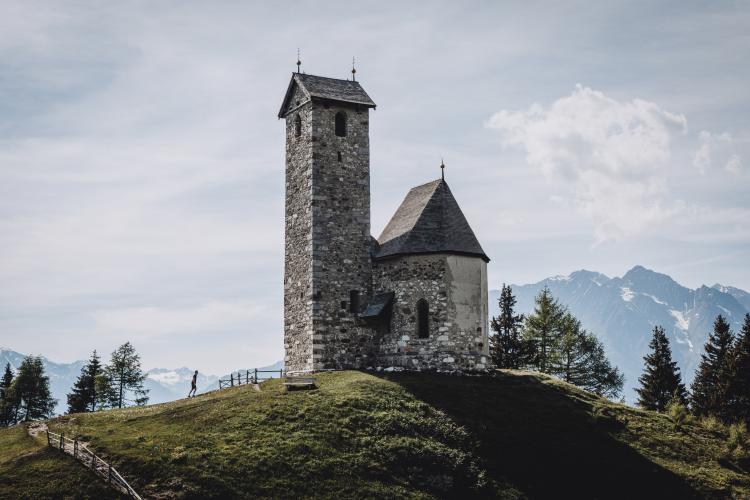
(255, 377)
(49, 440)
(62, 443)
(109, 473)
(247, 376)
(231, 379)
(93, 461)
(281, 373)
(75, 448)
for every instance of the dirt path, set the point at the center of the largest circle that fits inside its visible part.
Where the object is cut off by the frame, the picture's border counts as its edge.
(36, 428)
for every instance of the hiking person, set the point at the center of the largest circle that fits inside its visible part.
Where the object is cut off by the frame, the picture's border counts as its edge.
(193, 384)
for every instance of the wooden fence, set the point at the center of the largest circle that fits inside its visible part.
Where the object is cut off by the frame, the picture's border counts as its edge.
(101, 468)
(248, 377)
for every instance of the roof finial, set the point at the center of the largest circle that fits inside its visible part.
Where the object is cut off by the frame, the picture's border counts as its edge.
(354, 70)
(299, 63)
(442, 169)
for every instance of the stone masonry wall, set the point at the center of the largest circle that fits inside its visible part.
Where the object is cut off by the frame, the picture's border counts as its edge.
(298, 328)
(341, 232)
(457, 330)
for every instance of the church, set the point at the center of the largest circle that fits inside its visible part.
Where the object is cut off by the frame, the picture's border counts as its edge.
(414, 298)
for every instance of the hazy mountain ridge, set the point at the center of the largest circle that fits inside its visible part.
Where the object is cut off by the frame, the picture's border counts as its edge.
(163, 384)
(622, 313)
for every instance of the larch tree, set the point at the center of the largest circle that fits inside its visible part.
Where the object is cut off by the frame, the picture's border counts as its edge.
(542, 330)
(508, 348)
(84, 395)
(709, 391)
(739, 385)
(123, 378)
(581, 361)
(661, 380)
(31, 391)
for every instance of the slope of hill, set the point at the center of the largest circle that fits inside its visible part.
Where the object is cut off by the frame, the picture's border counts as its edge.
(30, 470)
(407, 435)
(163, 384)
(623, 311)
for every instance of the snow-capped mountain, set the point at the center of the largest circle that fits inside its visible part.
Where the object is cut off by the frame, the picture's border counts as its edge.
(163, 384)
(623, 311)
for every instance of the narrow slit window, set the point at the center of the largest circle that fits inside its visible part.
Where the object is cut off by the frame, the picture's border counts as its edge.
(340, 124)
(423, 319)
(297, 126)
(354, 301)
(339, 155)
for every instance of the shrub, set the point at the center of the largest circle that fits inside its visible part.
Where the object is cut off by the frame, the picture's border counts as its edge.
(678, 413)
(737, 443)
(712, 424)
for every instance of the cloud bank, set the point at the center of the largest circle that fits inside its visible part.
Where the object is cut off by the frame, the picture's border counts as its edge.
(611, 154)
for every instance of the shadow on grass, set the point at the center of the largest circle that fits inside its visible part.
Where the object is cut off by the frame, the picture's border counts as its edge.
(544, 441)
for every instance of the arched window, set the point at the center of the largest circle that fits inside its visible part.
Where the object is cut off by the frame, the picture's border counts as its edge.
(340, 124)
(423, 319)
(297, 126)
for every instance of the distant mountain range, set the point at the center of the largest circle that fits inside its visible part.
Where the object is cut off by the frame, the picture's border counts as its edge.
(163, 384)
(623, 311)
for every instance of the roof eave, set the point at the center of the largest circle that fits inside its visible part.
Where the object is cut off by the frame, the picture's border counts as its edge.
(394, 255)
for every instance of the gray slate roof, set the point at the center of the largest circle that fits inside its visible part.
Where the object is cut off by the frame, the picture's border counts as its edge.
(377, 305)
(429, 220)
(321, 87)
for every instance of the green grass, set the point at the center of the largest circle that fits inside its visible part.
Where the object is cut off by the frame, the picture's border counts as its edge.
(407, 435)
(28, 469)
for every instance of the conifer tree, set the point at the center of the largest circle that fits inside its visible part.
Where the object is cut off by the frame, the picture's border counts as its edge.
(123, 377)
(542, 330)
(661, 379)
(582, 361)
(739, 386)
(709, 390)
(31, 391)
(6, 398)
(508, 348)
(84, 395)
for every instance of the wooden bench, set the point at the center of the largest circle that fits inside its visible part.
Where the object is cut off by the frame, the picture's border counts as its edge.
(299, 382)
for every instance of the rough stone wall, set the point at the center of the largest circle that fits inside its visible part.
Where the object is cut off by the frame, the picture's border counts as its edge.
(341, 233)
(455, 289)
(298, 328)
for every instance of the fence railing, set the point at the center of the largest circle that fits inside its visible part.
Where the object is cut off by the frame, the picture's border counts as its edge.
(248, 377)
(88, 458)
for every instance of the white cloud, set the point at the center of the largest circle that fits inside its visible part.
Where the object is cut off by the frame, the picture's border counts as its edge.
(611, 153)
(717, 149)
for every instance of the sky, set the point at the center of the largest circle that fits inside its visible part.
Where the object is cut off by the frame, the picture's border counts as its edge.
(142, 162)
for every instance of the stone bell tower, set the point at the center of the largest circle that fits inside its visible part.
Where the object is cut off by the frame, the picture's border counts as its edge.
(327, 266)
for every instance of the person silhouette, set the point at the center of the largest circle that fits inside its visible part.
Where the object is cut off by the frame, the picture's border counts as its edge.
(193, 384)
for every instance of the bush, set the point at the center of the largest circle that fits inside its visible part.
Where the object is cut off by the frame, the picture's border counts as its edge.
(678, 413)
(737, 443)
(712, 424)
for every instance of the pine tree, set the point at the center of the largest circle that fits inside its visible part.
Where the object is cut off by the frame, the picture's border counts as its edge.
(582, 361)
(123, 377)
(542, 330)
(661, 380)
(739, 386)
(84, 396)
(31, 390)
(709, 390)
(507, 346)
(6, 398)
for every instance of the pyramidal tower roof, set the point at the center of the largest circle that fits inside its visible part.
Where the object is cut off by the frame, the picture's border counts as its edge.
(429, 220)
(326, 89)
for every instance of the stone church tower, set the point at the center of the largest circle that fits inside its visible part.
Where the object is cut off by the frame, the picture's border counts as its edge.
(417, 298)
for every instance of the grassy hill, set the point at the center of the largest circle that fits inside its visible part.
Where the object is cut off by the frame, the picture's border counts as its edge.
(396, 435)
